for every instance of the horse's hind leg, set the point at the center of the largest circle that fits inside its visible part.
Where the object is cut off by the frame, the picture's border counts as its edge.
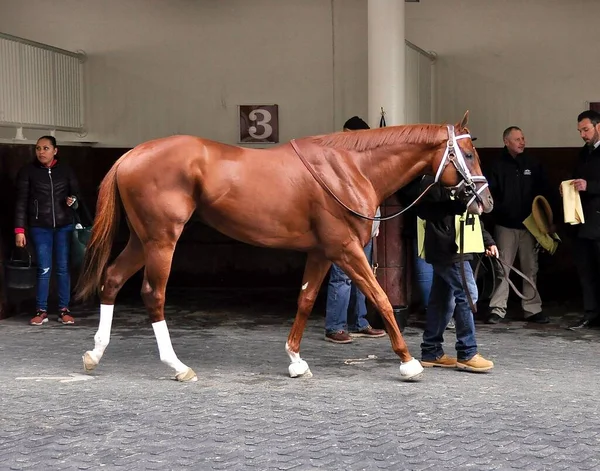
(129, 261)
(158, 265)
(314, 273)
(355, 265)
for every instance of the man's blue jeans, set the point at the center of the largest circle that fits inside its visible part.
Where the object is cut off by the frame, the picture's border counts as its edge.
(47, 240)
(446, 289)
(342, 293)
(423, 276)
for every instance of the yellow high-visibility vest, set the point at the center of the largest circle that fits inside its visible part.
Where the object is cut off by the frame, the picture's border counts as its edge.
(421, 237)
(473, 240)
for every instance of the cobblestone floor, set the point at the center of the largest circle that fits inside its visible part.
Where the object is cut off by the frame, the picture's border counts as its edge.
(536, 410)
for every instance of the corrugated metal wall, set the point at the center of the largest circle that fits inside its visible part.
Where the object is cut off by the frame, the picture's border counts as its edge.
(40, 86)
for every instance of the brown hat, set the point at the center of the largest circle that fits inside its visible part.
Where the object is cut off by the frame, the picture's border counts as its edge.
(542, 214)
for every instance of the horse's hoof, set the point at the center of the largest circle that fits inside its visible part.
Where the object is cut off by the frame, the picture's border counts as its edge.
(411, 370)
(89, 363)
(300, 369)
(187, 376)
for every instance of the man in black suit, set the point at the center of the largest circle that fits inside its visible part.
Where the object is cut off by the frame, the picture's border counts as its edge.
(586, 249)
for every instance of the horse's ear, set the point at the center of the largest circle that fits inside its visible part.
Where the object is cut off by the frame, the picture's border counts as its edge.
(464, 121)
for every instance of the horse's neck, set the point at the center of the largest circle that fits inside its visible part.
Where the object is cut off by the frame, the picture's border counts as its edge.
(389, 169)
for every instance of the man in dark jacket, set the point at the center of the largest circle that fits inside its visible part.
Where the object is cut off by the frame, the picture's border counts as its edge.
(586, 249)
(515, 180)
(448, 293)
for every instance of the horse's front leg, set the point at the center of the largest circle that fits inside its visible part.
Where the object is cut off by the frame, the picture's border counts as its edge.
(355, 264)
(314, 273)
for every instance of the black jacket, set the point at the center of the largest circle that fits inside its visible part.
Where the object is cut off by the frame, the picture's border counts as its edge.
(42, 193)
(439, 211)
(514, 183)
(588, 168)
(406, 196)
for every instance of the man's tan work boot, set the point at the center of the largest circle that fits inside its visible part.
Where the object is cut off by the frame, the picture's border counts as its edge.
(477, 364)
(442, 362)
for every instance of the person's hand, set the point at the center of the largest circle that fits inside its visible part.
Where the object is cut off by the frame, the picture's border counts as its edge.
(579, 184)
(20, 240)
(71, 200)
(492, 251)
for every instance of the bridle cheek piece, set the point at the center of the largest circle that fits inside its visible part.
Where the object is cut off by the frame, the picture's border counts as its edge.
(468, 185)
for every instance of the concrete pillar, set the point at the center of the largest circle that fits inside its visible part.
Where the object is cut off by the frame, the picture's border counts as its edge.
(386, 61)
(386, 51)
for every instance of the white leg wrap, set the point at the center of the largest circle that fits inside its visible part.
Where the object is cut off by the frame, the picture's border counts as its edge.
(411, 370)
(102, 337)
(298, 367)
(165, 348)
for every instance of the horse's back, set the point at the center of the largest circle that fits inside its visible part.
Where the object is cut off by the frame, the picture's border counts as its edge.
(167, 150)
(170, 161)
(255, 195)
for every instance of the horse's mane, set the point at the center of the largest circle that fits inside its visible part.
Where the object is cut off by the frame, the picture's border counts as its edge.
(369, 139)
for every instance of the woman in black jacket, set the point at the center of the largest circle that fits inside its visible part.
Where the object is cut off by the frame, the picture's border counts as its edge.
(46, 196)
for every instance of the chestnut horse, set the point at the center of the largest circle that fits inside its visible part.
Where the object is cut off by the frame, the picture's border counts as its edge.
(304, 195)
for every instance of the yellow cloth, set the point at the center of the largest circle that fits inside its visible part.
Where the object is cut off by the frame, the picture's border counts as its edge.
(571, 204)
(548, 241)
(542, 214)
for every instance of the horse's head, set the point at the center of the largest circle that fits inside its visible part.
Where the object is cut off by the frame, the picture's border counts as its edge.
(464, 176)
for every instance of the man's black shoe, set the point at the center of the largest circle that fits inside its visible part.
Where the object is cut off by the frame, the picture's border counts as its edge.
(582, 324)
(493, 319)
(538, 318)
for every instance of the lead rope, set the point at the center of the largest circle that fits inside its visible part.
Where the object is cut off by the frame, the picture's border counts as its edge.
(463, 274)
(506, 268)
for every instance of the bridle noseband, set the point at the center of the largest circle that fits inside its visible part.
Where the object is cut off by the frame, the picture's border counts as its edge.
(468, 184)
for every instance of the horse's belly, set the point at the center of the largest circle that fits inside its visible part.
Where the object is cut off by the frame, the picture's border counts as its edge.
(261, 229)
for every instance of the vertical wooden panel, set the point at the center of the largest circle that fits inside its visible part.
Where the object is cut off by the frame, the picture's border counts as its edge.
(391, 256)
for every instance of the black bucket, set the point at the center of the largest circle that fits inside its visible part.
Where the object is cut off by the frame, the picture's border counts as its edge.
(20, 274)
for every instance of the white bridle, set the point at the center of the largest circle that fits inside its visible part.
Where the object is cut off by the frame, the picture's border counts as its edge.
(453, 154)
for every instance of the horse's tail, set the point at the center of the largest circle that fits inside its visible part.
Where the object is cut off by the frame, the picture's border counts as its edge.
(105, 226)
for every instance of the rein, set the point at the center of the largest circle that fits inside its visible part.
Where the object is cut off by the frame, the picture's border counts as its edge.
(452, 154)
(317, 177)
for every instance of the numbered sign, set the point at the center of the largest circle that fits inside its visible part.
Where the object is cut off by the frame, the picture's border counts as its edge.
(259, 124)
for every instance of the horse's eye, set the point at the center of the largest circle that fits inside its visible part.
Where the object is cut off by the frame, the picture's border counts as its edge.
(469, 155)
